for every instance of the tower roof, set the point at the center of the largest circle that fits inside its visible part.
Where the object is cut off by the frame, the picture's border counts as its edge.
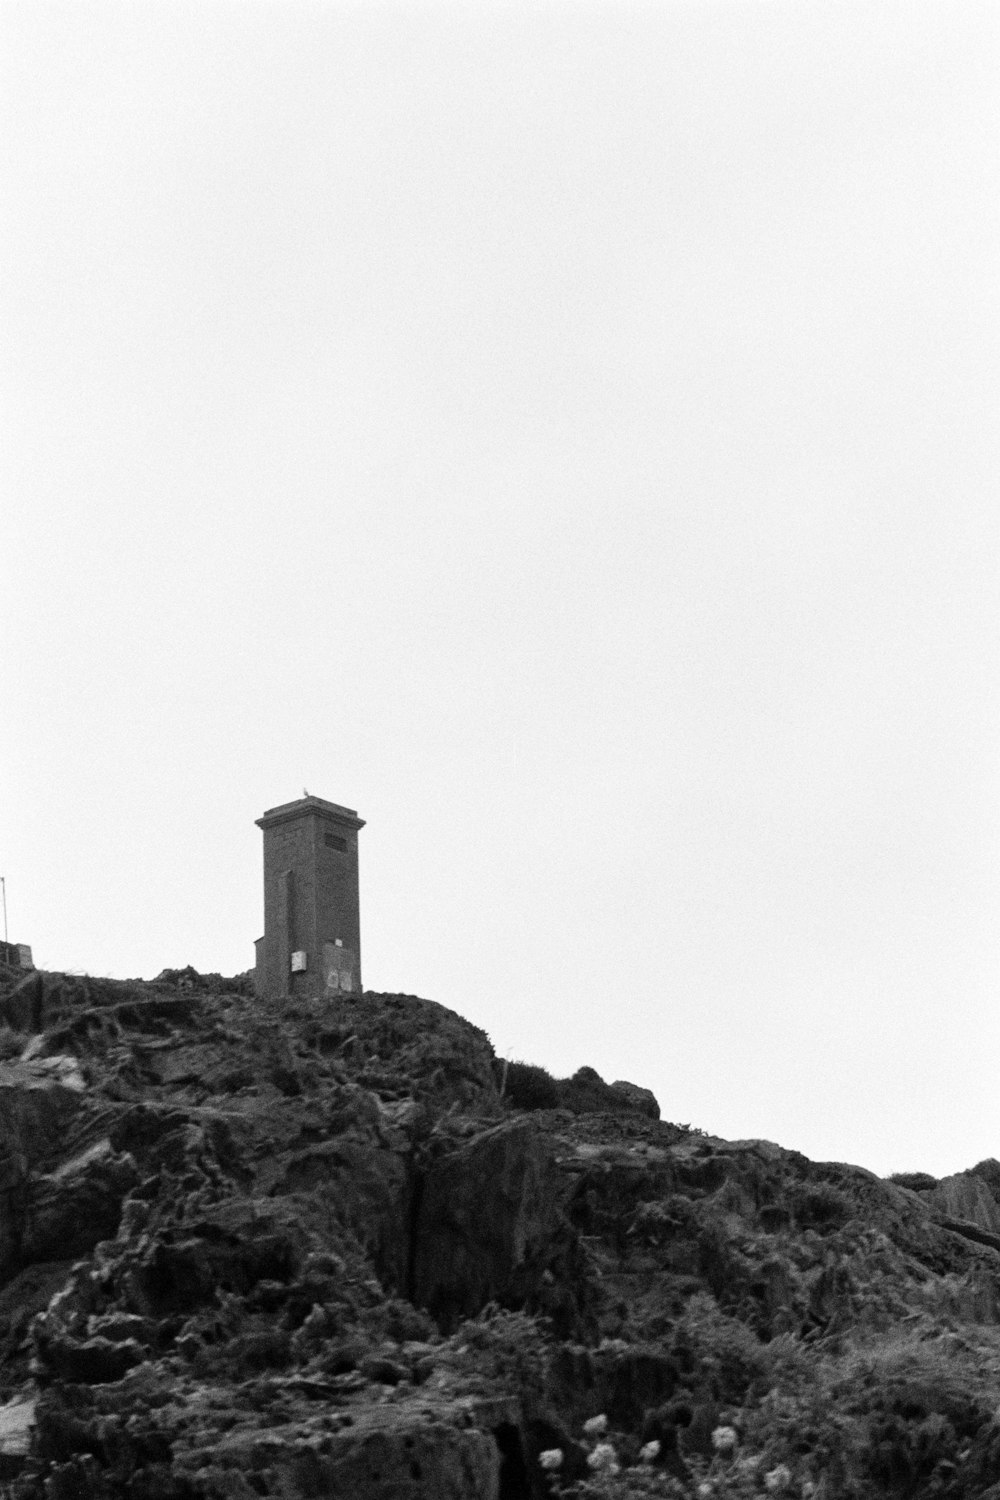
(311, 807)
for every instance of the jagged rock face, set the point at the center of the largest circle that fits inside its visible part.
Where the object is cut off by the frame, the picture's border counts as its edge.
(310, 1251)
(42, 1213)
(488, 1223)
(971, 1196)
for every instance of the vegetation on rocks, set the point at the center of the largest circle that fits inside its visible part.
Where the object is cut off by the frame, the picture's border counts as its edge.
(339, 1249)
(527, 1086)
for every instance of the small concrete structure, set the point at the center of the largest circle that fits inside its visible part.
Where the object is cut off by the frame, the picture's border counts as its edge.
(312, 923)
(16, 955)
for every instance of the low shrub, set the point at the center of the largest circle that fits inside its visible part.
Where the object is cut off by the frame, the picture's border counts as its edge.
(509, 1348)
(528, 1086)
(989, 1172)
(918, 1414)
(917, 1182)
(723, 1356)
(587, 1093)
(819, 1205)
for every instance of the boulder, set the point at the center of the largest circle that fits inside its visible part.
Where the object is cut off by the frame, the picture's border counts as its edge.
(642, 1100)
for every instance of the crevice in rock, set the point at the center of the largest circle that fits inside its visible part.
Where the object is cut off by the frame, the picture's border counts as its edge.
(514, 1481)
(412, 1232)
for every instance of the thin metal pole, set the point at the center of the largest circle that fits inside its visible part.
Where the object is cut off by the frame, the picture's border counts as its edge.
(3, 889)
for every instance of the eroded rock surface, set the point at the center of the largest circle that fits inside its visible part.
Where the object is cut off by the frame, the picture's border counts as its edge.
(309, 1250)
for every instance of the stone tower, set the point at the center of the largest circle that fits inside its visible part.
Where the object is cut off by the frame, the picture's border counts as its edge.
(312, 930)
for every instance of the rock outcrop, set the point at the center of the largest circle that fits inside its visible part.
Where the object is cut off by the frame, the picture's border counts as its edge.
(313, 1250)
(972, 1196)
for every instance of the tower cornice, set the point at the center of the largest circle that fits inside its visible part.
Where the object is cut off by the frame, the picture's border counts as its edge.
(311, 807)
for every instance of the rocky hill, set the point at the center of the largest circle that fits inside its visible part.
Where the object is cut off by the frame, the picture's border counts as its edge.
(337, 1250)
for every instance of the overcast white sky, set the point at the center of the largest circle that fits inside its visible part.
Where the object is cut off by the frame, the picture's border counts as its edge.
(567, 434)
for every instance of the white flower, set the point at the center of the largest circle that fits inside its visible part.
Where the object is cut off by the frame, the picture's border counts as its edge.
(724, 1439)
(551, 1459)
(777, 1480)
(595, 1427)
(603, 1460)
(649, 1451)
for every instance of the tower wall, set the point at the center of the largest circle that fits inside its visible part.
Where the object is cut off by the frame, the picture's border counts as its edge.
(312, 925)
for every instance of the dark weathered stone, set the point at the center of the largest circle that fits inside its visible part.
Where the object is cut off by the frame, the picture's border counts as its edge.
(642, 1100)
(312, 1252)
(488, 1214)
